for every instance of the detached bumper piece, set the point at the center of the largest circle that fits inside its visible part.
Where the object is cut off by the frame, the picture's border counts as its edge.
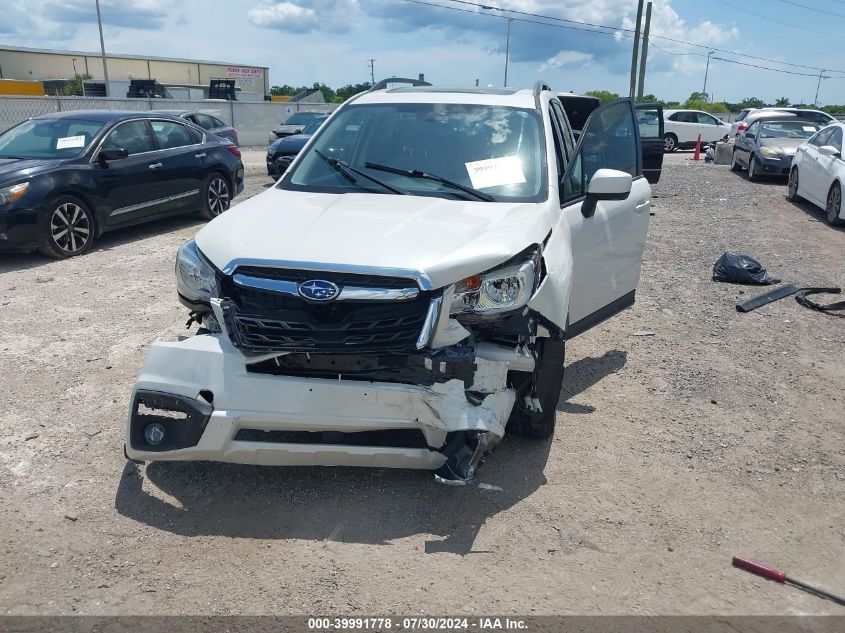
(165, 422)
(465, 451)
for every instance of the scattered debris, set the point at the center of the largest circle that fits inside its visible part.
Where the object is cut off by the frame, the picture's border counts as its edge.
(44, 280)
(91, 432)
(766, 298)
(770, 573)
(642, 333)
(801, 298)
(54, 565)
(489, 487)
(841, 475)
(30, 436)
(764, 471)
(738, 268)
(353, 604)
(71, 517)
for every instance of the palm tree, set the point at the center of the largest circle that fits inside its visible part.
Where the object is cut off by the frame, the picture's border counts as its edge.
(782, 102)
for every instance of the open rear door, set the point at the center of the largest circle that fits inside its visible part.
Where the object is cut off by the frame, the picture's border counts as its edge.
(650, 119)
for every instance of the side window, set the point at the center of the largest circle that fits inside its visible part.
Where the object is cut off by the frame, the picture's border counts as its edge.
(753, 128)
(608, 141)
(706, 119)
(822, 137)
(836, 139)
(676, 117)
(648, 120)
(565, 129)
(204, 121)
(133, 136)
(170, 134)
(557, 136)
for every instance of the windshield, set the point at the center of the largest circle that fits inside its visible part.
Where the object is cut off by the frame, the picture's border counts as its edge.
(788, 129)
(496, 150)
(48, 138)
(300, 118)
(313, 126)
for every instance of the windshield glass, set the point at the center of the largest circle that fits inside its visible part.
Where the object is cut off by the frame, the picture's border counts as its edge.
(313, 126)
(300, 118)
(48, 138)
(496, 150)
(788, 129)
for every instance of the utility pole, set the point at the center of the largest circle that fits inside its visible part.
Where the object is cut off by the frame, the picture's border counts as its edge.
(706, 70)
(632, 90)
(645, 52)
(818, 85)
(372, 72)
(103, 49)
(507, 50)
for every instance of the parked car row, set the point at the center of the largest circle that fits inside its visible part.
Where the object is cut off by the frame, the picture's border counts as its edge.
(809, 154)
(67, 178)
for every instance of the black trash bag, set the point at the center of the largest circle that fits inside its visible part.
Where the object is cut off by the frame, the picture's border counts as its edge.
(737, 268)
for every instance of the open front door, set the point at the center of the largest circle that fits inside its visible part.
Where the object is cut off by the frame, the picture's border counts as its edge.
(650, 119)
(607, 214)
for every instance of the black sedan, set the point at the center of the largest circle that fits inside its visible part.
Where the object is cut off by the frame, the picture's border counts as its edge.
(66, 178)
(282, 152)
(768, 146)
(206, 121)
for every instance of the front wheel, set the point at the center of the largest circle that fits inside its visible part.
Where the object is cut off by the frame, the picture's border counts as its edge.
(792, 191)
(735, 166)
(547, 380)
(670, 143)
(753, 168)
(834, 205)
(217, 195)
(68, 230)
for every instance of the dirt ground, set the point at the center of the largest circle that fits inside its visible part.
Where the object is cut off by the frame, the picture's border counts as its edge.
(720, 434)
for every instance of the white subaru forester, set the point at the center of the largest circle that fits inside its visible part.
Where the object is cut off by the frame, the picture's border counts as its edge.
(402, 296)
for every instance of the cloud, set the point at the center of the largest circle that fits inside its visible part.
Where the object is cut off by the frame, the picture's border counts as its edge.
(128, 14)
(304, 16)
(567, 58)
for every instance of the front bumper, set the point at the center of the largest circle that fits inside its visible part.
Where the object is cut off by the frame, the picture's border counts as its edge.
(261, 419)
(19, 229)
(278, 165)
(779, 166)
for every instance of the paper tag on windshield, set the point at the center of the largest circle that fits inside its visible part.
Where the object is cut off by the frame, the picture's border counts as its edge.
(809, 128)
(70, 141)
(495, 172)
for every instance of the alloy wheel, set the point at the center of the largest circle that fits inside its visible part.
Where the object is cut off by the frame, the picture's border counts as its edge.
(218, 196)
(70, 228)
(752, 168)
(668, 144)
(834, 204)
(793, 184)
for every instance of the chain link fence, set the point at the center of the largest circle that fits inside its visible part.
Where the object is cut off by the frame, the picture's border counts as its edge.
(253, 119)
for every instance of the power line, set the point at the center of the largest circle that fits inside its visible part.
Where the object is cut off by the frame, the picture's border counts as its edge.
(804, 6)
(617, 30)
(771, 19)
(777, 70)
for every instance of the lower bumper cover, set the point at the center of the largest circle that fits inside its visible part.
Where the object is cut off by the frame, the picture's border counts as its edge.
(775, 166)
(249, 401)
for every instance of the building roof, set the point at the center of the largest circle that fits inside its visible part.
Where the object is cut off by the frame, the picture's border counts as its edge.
(48, 51)
(103, 116)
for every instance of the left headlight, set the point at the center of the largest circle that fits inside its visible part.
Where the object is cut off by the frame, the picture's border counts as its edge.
(500, 290)
(11, 194)
(195, 277)
(771, 152)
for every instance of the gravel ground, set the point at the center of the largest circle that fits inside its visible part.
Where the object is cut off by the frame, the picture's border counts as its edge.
(720, 434)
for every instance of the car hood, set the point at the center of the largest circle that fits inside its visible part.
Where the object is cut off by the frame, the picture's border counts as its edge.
(14, 169)
(788, 145)
(446, 240)
(288, 129)
(290, 143)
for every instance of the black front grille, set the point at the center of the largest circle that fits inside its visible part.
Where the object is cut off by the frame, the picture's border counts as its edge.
(267, 321)
(389, 438)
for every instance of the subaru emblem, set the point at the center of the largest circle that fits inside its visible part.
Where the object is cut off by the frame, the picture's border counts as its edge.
(318, 290)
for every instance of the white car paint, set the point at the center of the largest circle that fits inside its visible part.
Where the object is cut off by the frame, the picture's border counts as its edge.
(710, 127)
(749, 115)
(817, 168)
(592, 266)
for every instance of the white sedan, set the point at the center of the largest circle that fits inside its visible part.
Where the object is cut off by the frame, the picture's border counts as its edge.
(818, 172)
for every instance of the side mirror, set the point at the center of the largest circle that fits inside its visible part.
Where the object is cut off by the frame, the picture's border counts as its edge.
(829, 150)
(606, 184)
(113, 153)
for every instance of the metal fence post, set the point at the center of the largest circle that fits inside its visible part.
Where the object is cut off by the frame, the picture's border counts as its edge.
(232, 113)
(58, 104)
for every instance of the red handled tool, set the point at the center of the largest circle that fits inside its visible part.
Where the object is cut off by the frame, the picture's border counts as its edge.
(770, 573)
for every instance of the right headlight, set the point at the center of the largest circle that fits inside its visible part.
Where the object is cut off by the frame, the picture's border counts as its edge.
(771, 152)
(8, 195)
(195, 277)
(500, 290)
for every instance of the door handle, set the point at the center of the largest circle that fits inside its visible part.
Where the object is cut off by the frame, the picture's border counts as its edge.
(155, 166)
(200, 155)
(642, 204)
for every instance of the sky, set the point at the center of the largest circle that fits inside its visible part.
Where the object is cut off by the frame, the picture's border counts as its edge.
(331, 41)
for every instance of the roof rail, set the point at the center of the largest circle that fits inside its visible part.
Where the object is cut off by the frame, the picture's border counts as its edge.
(398, 80)
(539, 86)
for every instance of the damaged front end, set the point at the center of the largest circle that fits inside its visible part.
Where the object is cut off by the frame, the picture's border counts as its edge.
(330, 367)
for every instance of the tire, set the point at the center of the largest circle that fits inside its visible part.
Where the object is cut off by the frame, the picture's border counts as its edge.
(217, 195)
(670, 143)
(548, 377)
(792, 187)
(68, 229)
(753, 173)
(735, 166)
(834, 205)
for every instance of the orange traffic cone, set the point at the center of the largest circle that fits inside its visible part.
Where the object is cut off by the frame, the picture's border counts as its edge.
(697, 155)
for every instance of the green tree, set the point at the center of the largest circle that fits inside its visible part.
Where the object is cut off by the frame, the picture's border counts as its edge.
(751, 102)
(603, 95)
(782, 102)
(349, 90)
(74, 86)
(699, 96)
(651, 99)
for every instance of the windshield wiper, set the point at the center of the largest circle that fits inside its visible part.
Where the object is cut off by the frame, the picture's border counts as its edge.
(347, 171)
(415, 173)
